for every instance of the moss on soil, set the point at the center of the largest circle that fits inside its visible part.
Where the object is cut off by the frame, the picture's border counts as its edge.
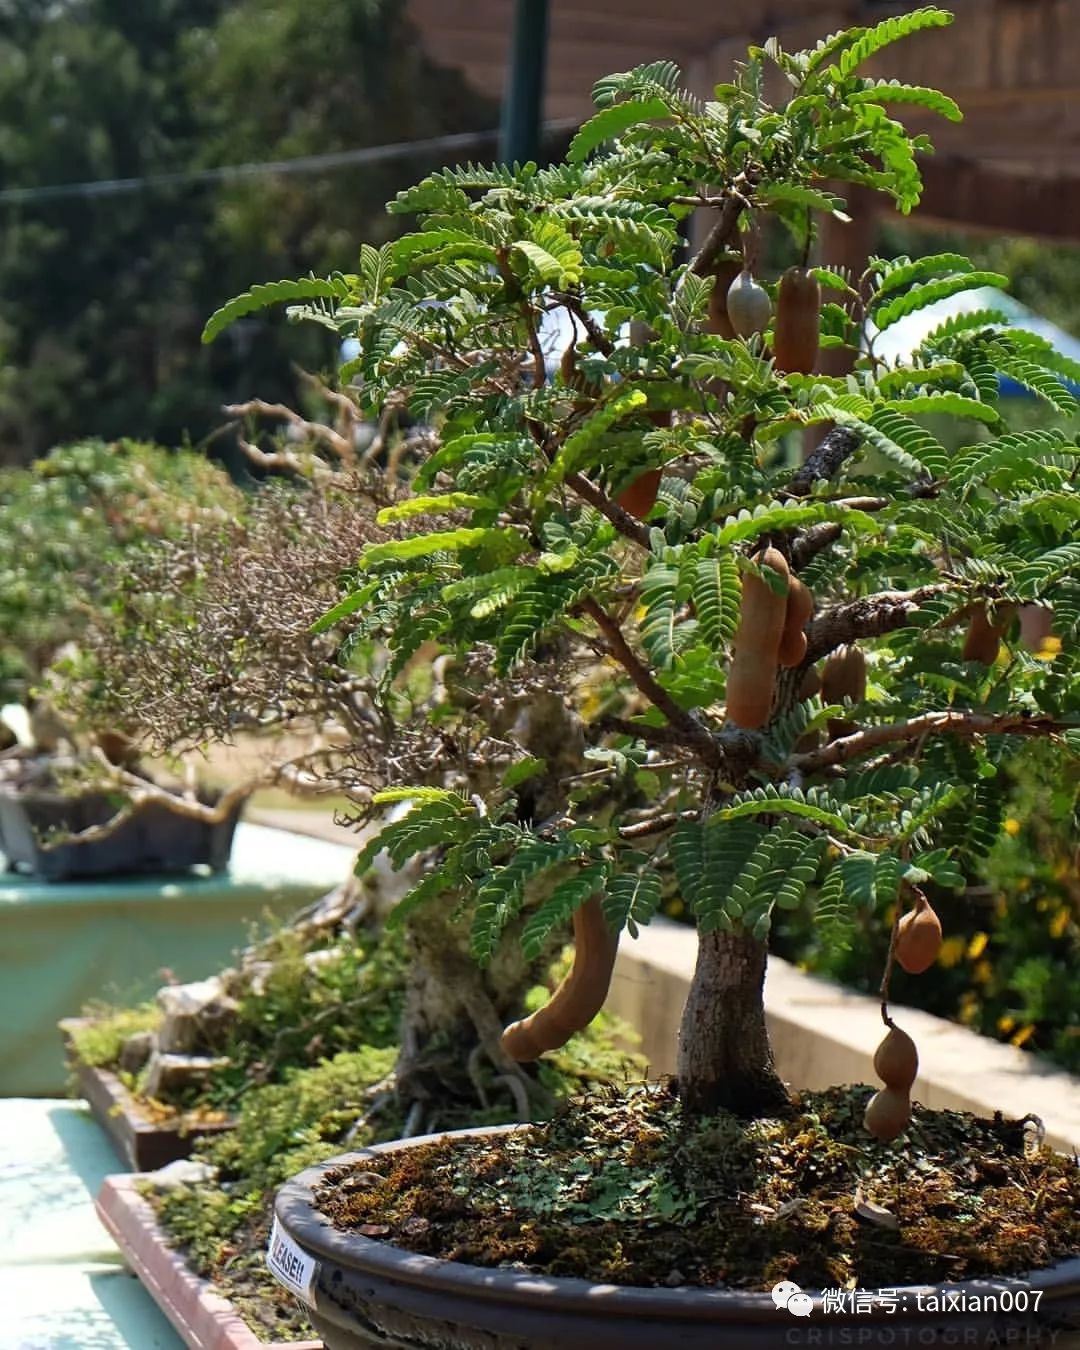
(223, 1225)
(623, 1188)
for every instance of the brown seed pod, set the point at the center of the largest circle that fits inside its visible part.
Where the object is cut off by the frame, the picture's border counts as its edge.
(797, 334)
(918, 937)
(896, 1060)
(800, 606)
(639, 496)
(983, 640)
(888, 1114)
(748, 305)
(1036, 623)
(843, 676)
(752, 673)
(579, 997)
(724, 274)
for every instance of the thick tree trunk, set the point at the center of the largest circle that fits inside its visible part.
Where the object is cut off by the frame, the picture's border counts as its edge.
(725, 1060)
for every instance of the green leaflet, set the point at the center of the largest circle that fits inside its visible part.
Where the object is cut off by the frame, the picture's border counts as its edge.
(928, 293)
(420, 506)
(270, 293)
(612, 121)
(502, 540)
(888, 31)
(560, 905)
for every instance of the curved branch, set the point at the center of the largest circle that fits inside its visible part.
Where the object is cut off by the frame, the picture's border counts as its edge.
(929, 724)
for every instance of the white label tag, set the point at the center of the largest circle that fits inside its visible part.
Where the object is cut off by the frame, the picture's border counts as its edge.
(290, 1264)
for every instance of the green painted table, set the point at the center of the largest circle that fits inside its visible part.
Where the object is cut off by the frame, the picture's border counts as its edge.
(62, 1284)
(65, 943)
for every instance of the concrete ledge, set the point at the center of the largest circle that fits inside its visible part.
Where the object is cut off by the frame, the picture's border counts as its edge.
(823, 1034)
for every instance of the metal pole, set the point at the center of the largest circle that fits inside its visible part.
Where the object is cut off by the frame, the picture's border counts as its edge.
(523, 98)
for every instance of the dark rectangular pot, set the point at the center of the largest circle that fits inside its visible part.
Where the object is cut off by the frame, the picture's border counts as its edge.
(151, 839)
(141, 1145)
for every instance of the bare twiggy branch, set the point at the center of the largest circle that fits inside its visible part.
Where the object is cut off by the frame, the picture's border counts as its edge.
(317, 431)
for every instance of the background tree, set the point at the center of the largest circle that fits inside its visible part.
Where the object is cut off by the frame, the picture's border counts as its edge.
(105, 294)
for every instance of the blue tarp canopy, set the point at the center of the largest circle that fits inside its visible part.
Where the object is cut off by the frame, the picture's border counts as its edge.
(899, 341)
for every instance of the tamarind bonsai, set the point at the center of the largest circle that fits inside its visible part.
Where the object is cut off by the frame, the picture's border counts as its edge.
(687, 641)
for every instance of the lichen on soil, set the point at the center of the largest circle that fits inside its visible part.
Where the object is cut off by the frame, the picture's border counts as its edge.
(624, 1188)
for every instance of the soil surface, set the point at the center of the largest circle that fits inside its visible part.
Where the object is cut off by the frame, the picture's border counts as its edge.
(622, 1188)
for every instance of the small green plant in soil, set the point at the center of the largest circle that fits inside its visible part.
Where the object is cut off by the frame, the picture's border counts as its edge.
(630, 1188)
(223, 1225)
(301, 1012)
(100, 1039)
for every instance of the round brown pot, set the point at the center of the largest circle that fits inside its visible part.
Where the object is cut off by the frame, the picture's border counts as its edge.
(363, 1293)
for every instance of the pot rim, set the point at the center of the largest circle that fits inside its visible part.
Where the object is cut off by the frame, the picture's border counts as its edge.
(295, 1210)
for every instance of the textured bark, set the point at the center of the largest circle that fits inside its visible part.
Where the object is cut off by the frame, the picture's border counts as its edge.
(725, 1060)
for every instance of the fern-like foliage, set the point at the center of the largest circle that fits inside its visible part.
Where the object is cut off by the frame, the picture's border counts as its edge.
(581, 514)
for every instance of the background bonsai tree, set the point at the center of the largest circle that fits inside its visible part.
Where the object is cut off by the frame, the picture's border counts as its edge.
(643, 510)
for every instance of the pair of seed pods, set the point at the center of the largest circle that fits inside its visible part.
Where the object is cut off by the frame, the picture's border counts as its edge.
(740, 307)
(896, 1061)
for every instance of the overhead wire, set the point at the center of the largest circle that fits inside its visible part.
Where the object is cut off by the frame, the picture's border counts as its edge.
(337, 159)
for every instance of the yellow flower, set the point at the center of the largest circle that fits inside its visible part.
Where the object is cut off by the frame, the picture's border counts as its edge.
(1023, 1035)
(1001, 905)
(969, 1007)
(982, 972)
(977, 946)
(1024, 884)
(1059, 923)
(952, 951)
(1050, 647)
(1005, 1023)
(1012, 826)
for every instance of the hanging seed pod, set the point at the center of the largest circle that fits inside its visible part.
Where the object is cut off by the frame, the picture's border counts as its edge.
(843, 677)
(752, 674)
(918, 937)
(888, 1114)
(797, 335)
(896, 1060)
(578, 998)
(1036, 624)
(800, 606)
(724, 273)
(639, 496)
(748, 305)
(983, 640)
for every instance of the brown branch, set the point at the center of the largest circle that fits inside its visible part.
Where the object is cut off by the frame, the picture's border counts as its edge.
(870, 616)
(809, 543)
(593, 331)
(620, 649)
(929, 724)
(826, 461)
(624, 522)
(724, 231)
(622, 726)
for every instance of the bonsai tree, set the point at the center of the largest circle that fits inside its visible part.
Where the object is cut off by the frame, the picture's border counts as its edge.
(810, 670)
